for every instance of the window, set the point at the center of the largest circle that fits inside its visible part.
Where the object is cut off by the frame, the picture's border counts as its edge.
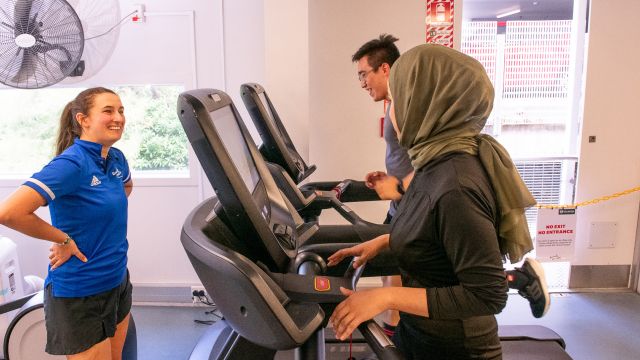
(528, 57)
(154, 142)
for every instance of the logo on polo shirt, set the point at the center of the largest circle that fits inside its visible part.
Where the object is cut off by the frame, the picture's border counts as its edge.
(117, 173)
(95, 181)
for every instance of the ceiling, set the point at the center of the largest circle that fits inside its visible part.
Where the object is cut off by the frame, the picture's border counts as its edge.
(529, 9)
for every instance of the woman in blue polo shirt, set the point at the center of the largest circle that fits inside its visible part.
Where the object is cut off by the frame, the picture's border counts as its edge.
(87, 290)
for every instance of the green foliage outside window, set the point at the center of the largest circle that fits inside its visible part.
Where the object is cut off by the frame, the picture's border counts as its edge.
(153, 139)
(155, 136)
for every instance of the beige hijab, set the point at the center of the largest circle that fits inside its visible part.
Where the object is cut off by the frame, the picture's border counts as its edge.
(442, 100)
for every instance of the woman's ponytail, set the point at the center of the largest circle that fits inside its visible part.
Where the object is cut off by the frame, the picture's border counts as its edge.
(69, 128)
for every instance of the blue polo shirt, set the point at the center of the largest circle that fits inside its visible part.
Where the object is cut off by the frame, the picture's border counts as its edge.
(86, 198)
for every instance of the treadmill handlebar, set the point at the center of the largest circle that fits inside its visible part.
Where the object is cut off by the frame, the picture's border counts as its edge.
(341, 188)
(345, 211)
(324, 199)
(353, 274)
(379, 341)
(313, 288)
(357, 190)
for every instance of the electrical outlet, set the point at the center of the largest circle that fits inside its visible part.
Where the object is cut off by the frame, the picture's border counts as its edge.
(198, 291)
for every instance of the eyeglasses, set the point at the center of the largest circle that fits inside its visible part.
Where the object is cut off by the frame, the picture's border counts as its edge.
(362, 75)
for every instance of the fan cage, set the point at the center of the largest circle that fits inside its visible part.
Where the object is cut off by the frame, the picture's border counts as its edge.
(54, 29)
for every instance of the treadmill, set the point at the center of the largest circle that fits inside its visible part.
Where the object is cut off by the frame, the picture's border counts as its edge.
(252, 253)
(249, 247)
(278, 147)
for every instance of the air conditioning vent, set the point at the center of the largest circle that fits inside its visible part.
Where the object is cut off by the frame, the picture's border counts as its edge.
(544, 180)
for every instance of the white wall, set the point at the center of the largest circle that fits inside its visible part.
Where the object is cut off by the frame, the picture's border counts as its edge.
(244, 48)
(286, 34)
(612, 163)
(344, 123)
(344, 126)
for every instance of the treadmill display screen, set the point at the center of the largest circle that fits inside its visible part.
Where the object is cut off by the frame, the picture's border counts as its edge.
(232, 139)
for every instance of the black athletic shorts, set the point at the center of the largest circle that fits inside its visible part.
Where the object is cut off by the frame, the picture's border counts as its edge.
(76, 324)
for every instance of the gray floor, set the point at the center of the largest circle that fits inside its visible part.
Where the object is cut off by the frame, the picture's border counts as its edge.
(594, 325)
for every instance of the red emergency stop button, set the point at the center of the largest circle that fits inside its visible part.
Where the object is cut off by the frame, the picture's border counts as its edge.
(321, 283)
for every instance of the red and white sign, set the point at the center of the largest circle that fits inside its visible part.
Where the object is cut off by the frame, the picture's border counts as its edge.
(556, 234)
(439, 21)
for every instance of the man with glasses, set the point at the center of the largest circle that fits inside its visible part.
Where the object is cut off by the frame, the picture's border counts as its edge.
(374, 60)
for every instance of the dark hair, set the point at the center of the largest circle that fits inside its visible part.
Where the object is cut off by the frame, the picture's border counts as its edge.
(69, 127)
(379, 51)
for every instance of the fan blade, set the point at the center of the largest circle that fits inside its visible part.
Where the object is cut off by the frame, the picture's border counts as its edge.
(27, 67)
(21, 17)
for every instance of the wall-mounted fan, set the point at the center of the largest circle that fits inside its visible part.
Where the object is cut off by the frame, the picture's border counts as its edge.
(100, 21)
(43, 42)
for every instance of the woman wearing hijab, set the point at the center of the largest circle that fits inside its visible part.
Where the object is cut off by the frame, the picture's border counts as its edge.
(462, 213)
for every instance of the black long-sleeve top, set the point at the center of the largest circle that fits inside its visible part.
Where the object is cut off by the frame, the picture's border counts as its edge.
(444, 235)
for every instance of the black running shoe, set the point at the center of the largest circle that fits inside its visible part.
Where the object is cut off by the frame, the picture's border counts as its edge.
(535, 290)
